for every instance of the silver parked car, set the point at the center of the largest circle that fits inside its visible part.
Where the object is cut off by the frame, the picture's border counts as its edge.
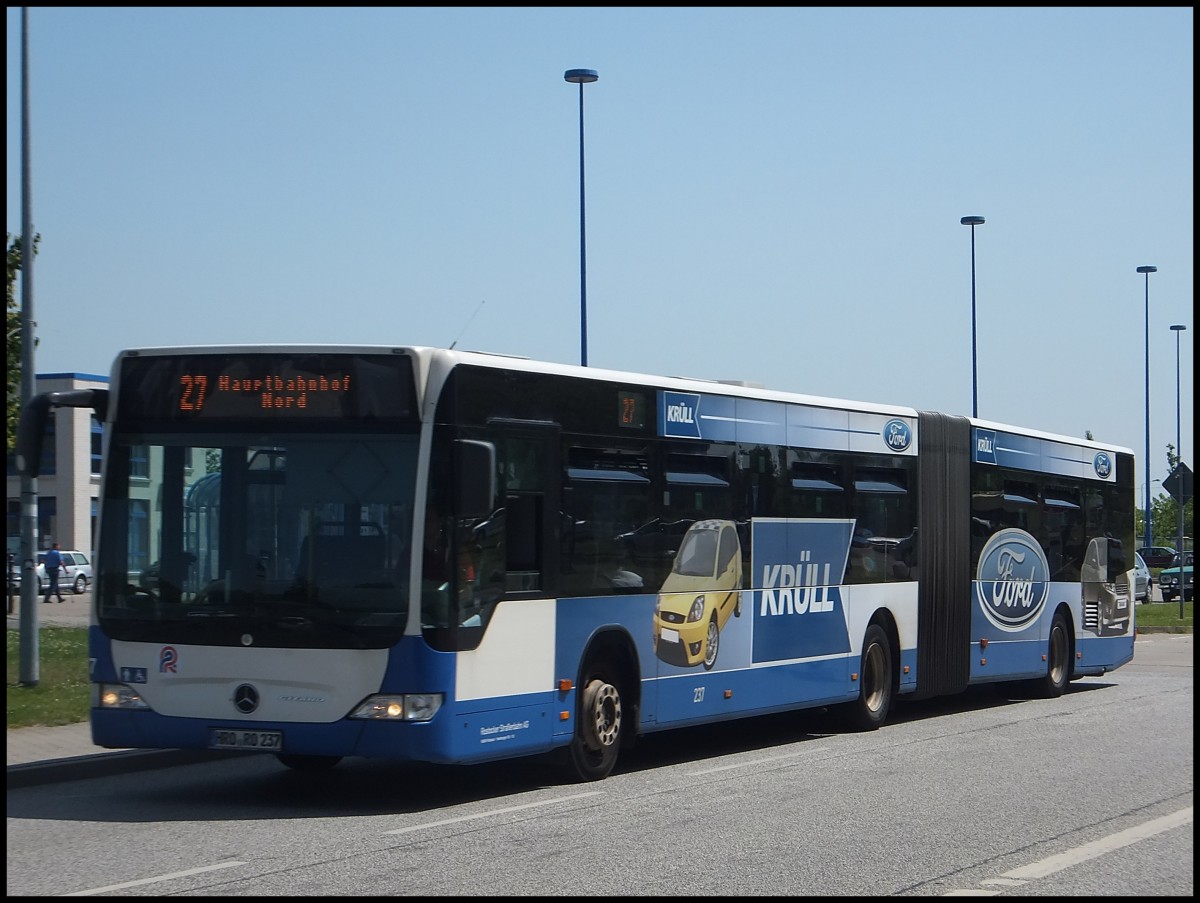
(1143, 583)
(74, 576)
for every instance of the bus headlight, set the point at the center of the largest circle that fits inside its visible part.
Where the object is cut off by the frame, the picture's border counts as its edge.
(117, 696)
(399, 707)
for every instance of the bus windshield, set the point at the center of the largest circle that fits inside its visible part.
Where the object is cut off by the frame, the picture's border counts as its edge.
(295, 540)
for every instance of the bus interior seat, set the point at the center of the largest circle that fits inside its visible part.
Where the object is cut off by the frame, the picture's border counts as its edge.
(334, 555)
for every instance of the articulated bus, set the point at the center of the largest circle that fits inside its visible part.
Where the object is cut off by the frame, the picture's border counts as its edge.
(427, 555)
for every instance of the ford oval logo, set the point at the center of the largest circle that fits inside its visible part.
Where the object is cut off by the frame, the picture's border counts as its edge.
(1103, 465)
(1012, 580)
(897, 435)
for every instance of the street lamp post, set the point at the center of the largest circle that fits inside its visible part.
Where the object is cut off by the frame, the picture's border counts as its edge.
(582, 77)
(973, 221)
(29, 641)
(1177, 329)
(1149, 539)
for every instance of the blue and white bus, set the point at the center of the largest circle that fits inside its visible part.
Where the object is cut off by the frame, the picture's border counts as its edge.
(437, 556)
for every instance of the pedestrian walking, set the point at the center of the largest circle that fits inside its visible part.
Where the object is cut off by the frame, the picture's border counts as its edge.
(53, 564)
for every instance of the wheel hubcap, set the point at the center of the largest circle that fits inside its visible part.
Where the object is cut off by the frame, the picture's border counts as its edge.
(714, 637)
(605, 707)
(1058, 654)
(872, 678)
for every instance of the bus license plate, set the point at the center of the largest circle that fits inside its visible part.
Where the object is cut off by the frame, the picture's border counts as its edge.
(236, 739)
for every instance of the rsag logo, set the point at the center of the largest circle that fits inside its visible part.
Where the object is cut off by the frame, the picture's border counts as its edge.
(168, 660)
(897, 435)
(1012, 580)
(1103, 465)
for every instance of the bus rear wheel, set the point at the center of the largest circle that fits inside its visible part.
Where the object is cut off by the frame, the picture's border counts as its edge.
(1058, 660)
(875, 683)
(593, 750)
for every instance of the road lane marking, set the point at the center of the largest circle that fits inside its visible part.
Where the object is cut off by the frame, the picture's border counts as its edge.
(154, 880)
(1065, 860)
(493, 812)
(770, 760)
(1057, 863)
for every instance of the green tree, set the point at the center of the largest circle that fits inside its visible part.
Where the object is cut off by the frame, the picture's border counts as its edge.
(1165, 512)
(13, 344)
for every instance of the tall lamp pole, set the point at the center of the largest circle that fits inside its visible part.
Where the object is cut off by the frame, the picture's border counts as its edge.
(582, 77)
(973, 221)
(1149, 539)
(29, 641)
(1177, 329)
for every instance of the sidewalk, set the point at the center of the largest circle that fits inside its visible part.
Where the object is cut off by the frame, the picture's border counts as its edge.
(45, 755)
(27, 745)
(73, 611)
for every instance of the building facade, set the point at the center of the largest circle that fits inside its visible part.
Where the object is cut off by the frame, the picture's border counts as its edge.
(68, 485)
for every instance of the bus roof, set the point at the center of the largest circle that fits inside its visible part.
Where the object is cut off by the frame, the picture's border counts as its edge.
(446, 359)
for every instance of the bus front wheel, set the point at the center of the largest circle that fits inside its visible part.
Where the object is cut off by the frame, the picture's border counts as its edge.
(593, 750)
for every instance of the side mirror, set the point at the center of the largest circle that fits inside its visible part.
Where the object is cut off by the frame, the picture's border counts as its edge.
(474, 477)
(31, 431)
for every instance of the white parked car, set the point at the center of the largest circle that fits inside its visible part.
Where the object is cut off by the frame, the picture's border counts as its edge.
(75, 574)
(1143, 583)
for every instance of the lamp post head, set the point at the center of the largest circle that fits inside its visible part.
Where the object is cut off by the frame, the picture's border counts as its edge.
(972, 220)
(581, 76)
(1147, 269)
(1178, 327)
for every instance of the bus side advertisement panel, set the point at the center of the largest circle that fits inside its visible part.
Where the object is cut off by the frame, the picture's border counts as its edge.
(708, 648)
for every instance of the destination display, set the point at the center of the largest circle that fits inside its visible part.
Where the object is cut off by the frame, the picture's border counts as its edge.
(267, 386)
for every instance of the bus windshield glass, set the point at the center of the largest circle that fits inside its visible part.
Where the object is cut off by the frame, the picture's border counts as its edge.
(296, 539)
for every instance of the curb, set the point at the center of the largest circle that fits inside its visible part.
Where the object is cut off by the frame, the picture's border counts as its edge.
(99, 765)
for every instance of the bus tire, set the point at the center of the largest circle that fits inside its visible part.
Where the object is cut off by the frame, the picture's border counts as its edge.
(1058, 660)
(875, 683)
(599, 724)
(308, 763)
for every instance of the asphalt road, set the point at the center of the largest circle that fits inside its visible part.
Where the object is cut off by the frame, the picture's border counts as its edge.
(985, 794)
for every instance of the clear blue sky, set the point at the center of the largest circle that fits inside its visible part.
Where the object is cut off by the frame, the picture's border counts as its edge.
(772, 195)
